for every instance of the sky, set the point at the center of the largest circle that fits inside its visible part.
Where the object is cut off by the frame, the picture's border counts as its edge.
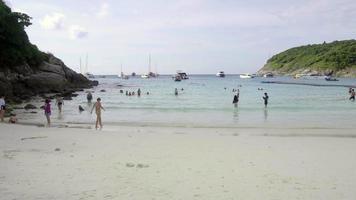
(197, 36)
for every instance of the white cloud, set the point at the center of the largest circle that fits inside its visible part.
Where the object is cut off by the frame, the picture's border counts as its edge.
(103, 11)
(77, 32)
(53, 21)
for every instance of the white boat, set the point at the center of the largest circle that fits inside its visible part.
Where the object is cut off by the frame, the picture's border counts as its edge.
(220, 74)
(145, 76)
(247, 75)
(182, 75)
(268, 75)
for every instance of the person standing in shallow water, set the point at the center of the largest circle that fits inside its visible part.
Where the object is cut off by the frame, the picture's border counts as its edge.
(176, 92)
(2, 107)
(60, 103)
(235, 101)
(47, 111)
(352, 97)
(265, 99)
(89, 97)
(98, 108)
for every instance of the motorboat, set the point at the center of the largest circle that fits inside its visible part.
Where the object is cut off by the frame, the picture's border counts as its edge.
(145, 76)
(268, 75)
(329, 78)
(220, 74)
(182, 74)
(247, 75)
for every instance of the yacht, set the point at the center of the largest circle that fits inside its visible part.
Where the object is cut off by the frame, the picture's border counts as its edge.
(145, 76)
(247, 75)
(220, 74)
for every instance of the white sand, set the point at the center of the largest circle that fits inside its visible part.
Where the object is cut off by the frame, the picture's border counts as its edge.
(175, 163)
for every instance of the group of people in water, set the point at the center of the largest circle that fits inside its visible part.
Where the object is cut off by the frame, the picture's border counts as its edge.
(98, 106)
(236, 98)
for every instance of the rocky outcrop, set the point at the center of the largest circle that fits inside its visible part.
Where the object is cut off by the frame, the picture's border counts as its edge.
(52, 76)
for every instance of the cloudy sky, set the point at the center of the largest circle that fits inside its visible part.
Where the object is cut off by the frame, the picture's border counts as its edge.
(198, 36)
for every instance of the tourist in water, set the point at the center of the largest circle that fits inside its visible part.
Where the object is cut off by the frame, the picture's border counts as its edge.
(350, 90)
(265, 99)
(235, 101)
(89, 97)
(148, 93)
(139, 92)
(2, 107)
(81, 109)
(59, 103)
(47, 111)
(352, 97)
(127, 93)
(176, 92)
(98, 108)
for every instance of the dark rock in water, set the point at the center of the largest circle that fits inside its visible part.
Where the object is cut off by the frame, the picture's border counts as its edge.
(33, 112)
(42, 107)
(67, 98)
(102, 90)
(75, 95)
(57, 149)
(94, 83)
(30, 106)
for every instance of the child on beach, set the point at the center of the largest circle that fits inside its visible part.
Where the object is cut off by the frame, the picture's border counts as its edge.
(60, 103)
(47, 111)
(265, 99)
(98, 108)
(2, 107)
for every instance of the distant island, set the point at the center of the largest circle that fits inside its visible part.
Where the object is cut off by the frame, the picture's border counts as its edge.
(25, 71)
(337, 58)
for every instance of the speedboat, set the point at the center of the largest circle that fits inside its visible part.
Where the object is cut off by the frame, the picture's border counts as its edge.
(182, 74)
(247, 75)
(145, 76)
(220, 74)
(268, 75)
(329, 78)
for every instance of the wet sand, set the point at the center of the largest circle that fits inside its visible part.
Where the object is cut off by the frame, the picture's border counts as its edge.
(176, 163)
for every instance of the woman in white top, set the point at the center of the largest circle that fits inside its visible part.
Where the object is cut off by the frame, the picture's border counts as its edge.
(2, 107)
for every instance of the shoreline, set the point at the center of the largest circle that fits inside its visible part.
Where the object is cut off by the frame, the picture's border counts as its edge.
(173, 163)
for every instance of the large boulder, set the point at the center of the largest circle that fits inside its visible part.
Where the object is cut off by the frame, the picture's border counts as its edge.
(44, 82)
(51, 68)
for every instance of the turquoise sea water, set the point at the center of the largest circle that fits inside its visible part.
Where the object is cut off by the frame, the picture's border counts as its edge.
(205, 102)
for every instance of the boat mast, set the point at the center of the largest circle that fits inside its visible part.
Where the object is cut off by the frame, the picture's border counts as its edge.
(149, 63)
(86, 62)
(80, 65)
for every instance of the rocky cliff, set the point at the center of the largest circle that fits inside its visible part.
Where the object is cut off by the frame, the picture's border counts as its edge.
(51, 76)
(26, 71)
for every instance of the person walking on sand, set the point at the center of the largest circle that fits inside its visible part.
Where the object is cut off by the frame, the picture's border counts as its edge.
(47, 111)
(2, 107)
(59, 103)
(235, 101)
(98, 108)
(265, 99)
(352, 97)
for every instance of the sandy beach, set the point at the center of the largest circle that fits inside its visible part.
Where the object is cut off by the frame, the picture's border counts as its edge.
(176, 163)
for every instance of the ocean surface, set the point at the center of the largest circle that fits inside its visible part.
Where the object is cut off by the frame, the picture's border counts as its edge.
(206, 101)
